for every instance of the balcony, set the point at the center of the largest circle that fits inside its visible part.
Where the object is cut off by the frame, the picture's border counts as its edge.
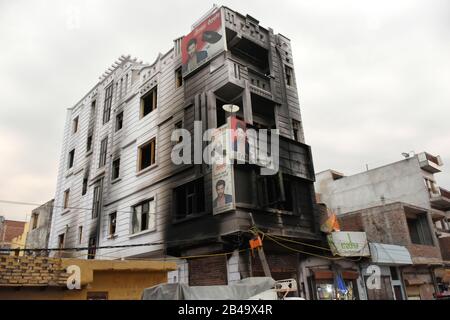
(441, 200)
(259, 84)
(429, 162)
(245, 27)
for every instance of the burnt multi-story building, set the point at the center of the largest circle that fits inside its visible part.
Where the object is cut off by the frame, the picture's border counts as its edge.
(117, 183)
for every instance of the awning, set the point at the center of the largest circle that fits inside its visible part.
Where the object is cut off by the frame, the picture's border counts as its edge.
(414, 282)
(323, 274)
(389, 254)
(328, 274)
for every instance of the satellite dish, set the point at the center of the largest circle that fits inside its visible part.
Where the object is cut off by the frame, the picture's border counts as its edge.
(231, 108)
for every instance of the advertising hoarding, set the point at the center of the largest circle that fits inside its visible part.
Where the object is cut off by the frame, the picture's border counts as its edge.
(222, 171)
(349, 244)
(203, 43)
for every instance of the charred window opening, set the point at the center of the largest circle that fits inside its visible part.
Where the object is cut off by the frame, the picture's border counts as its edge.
(116, 169)
(80, 234)
(189, 199)
(112, 223)
(103, 152)
(61, 241)
(296, 130)
(248, 51)
(96, 202)
(119, 121)
(263, 112)
(92, 248)
(71, 158)
(148, 102)
(85, 186)
(144, 216)
(243, 178)
(147, 154)
(289, 75)
(34, 220)
(285, 192)
(89, 143)
(178, 78)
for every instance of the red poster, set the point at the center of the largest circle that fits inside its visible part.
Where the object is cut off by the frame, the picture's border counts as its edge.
(203, 43)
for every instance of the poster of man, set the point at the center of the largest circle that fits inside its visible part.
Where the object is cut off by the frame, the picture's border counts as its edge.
(204, 42)
(222, 198)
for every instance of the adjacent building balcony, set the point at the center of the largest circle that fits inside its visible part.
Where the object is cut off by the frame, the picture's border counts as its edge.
(441, 200)
(429, 162)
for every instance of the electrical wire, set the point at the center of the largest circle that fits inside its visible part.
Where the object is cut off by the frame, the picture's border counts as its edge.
(310, 253)
(53, 206)
(273, 238)
(297, 242)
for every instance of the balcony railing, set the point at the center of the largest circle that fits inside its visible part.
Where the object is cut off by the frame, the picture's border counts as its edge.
(441, 200)
(445, 193)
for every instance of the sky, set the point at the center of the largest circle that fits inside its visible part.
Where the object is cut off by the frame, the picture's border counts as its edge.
(373, 76)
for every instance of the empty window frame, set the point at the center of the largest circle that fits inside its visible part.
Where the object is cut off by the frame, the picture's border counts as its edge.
(419, 230)
(119, 121)
(149, 102)
(61, 241)
(112, 223)
(34, 220)
(289, 75)
(147, 154)
(75, 125)
(92, 247)
(80, 234)
(66, 199)
(89, 143)
(71, 158)
(144, 216)
(189, 199)
(103, 152)
(296, 130)
(84, 186)
(178, 78)
(116, 169)
(108, 103)
(96, 202)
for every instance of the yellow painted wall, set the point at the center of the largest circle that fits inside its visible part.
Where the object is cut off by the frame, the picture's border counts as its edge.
(120, 285)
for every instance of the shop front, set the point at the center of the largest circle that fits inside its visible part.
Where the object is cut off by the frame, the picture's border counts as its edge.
(333, 284)
(443, 282)
(419, 283)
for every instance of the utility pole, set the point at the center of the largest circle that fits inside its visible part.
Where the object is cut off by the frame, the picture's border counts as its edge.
(258, 245)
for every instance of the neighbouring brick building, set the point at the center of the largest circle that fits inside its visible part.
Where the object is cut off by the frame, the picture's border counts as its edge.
(399, 204)
(117, 184)
(9, 229)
